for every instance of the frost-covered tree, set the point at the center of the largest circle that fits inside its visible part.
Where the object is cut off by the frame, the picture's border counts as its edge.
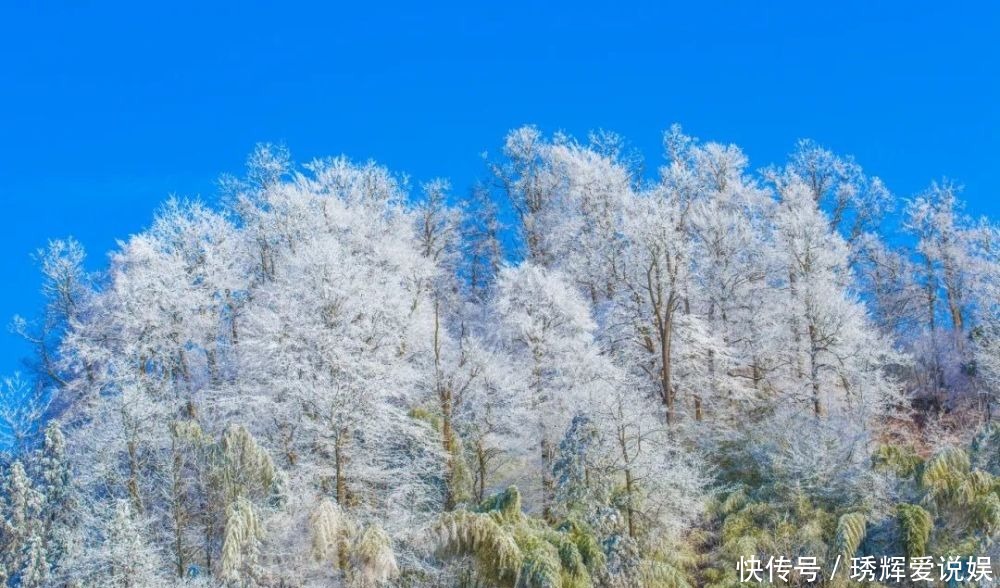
(547, 326)
(327, 381)
(945, 276)
(854, 203)
(335, 341)
(22, 549)
(67, 288)
(658, 265)
(835, 357)
(482, 233)
(985, 335)
(23, 406)
(127, 558)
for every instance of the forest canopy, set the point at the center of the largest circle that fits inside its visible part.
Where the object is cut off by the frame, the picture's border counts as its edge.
(581, 372)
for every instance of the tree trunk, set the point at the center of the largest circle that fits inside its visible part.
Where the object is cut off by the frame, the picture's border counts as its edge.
(445, 398)
(814, 370)
(133, 476)
(548, 480)
(629, 482)
(448, 441)
(666, 348)
(339, 464)
(342, 498)
(481, 463)
(177, 508)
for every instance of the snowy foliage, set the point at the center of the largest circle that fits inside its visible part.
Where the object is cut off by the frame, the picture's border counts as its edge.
(582, 375)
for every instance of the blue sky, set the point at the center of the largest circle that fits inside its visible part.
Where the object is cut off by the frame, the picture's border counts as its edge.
(109, 108)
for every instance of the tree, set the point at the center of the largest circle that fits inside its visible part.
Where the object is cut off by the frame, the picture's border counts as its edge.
(934, 219)
(835, 355)
(547, 327)
(439, 233)
(985, 335)
(348, 309)
(22, 556)
(56, 517)
(854, 203)
(129, 559)
(482, 234)
(22, 408)
(658, 264)
(508, 549)
(324, 380)
(729, 238)
(68, 289)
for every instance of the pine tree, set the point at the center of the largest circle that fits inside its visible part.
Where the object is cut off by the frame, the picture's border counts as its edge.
(22, 554)
(129, 559)
(57, 515)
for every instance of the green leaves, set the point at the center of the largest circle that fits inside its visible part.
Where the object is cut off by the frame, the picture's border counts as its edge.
(663, 575)
(901, 460)
(965, 500)
(945, 474)
(498, 557)
(510, 549)
(958, 501)
(850, 534)
(915, 525)
(506, 503)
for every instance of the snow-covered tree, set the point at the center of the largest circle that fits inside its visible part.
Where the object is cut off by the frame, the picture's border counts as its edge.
(22, 547)
(67, 288)
(23, 406)
(547, 326)
(326, 381)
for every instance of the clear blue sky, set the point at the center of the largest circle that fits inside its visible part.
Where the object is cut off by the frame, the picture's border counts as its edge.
(107, 109)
